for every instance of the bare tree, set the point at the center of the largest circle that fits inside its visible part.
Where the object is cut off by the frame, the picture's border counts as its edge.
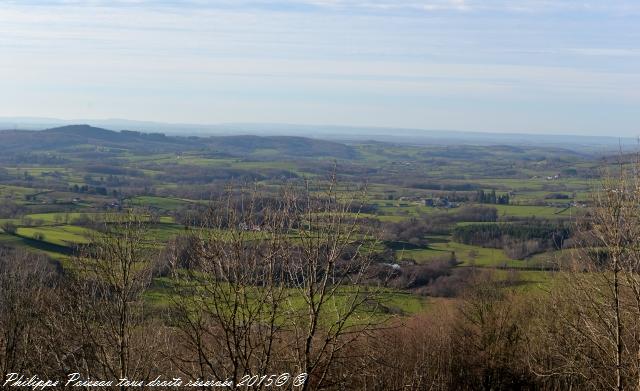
(230, 296)
(329, 273)
(111, 275)
(592, 323)
(488, 339)
(26, 280)
(276, 287)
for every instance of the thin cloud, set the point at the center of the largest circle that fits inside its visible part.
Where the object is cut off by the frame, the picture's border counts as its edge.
(395, 63)
(615, 6)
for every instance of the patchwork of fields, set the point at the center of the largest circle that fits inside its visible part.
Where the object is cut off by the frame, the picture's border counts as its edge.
(415, 196)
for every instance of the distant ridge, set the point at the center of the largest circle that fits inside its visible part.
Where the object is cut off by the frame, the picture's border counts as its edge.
(86, 132)
(342, 133)
(70, 136)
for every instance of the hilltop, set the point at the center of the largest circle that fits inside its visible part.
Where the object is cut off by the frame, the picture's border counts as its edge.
(86, 136)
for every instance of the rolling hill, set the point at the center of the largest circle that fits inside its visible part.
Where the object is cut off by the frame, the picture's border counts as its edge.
(75, 136)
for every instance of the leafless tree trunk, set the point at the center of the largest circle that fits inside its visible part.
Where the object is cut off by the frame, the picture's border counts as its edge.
(112, 273)
(229, 299)
(26, 280)
(329, 272)
(597, 302)
(275, 288)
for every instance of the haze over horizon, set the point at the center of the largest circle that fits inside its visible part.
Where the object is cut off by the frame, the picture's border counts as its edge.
(268, 128)
(564, 67)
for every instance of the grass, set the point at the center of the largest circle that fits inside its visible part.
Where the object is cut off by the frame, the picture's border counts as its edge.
(527, 280)
(164, 203)
(387, 302)
(61, 217)
(164, 231)
(532, 211)
(52, 250)
(15, 192)
(441, 248)
(403, 301)
(552, 257)
(394, 210)
(61, 235)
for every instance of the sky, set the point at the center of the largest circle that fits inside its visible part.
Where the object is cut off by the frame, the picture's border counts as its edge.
(529, 66)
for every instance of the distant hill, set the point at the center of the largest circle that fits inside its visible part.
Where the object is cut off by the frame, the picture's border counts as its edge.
(76, 136)
(604, 143)
(83, 131)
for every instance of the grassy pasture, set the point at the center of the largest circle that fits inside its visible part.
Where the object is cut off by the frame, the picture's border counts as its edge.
(165, 203)
(61, 235)
(56, 252)
(527, 280)
(56, 218)
(532, 211)
(441, 248)
(388, 302)
(16, 193)
(162, 232)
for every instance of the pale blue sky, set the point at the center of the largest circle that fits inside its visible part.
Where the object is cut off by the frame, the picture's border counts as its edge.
(534, 66)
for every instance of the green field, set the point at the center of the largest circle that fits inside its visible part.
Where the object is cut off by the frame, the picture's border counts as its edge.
(165, 203)
(442, 249)
(63, 235)
(385, 303)
(532, 211)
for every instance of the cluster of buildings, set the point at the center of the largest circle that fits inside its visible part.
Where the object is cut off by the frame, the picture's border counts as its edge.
(434, 202)
(438, 202)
